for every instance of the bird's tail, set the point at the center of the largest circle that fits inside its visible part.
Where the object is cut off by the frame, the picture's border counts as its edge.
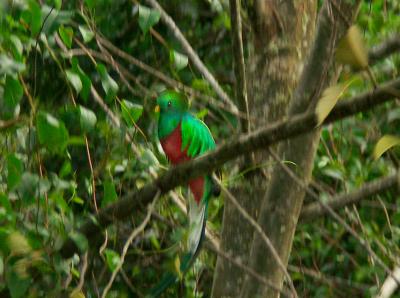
(198, 220)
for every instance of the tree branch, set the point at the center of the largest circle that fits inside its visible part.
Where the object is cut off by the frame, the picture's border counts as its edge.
(369, 189)
(192, 54)
(238, 63)
(384, 49)
(260, 139)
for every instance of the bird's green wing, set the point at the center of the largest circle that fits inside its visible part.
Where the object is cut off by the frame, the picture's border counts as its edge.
(196, 137)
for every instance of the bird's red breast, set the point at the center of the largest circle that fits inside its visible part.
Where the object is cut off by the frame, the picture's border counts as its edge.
(172, 146)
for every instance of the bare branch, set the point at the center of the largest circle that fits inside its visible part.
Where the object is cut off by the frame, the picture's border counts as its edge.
(128, 242)
(192, 54)
(369, 189)
(238, 64)
(260, 139)
(384, 49)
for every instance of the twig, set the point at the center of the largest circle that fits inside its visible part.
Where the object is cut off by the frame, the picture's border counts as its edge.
(238, 64)
(82, 274)
(260, 231)
(332, 280)
(384, 49)
(128, 242)
(92, 172)
(314, 210)
(192, 54)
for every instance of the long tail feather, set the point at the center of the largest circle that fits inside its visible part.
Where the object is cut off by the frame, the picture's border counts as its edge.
(197, 225)
(186, 261)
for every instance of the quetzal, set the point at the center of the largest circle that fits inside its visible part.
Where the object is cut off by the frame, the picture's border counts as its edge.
(184, 137)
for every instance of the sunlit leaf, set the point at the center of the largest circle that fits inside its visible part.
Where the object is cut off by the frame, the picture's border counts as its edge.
(112, 258)
(384, 144)
(131, 112)
(108, 83)
(74, 79)
(148, 17)
(351, 49)
(77, 294)
(15, 169)
(10, 66)
(87, 119)
(110, 195)
(33, 16)
(85, 80)
(87, 34)
(329, 98)
(13, 92)
(66, 34)
(51, 132)
(18, 244)
(180, 61)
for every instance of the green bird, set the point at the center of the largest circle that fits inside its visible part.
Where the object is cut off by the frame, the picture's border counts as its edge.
(184, 137)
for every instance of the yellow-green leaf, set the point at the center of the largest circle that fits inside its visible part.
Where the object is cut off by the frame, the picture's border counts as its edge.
(77, 294)
(351, 49)
(384, 144)
(177, 264)
(328, 100)
(18, 244)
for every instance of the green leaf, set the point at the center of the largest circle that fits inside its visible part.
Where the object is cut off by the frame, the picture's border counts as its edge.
(180, 61)
(10, 66)
(33, 17)
(110, 195)
(328, 100)
(57, 4)
(87, 119)
(148, 18)
(85, 80)
(17, 47)
(13, 92)
(87, 34)
(131, 112)
(108, 83)
(80, 241)
(17, 286)
(74, 79)
(5, 203)
(384, 144)
(112, 258)
(51, 132)
(90, 3)
(15, 169)
(66, 34)
(351, 49)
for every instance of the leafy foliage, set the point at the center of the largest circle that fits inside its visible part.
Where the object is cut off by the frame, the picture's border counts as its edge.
(66, 152)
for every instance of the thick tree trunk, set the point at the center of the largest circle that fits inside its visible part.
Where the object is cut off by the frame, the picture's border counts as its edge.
(284, 197)
(280, 37)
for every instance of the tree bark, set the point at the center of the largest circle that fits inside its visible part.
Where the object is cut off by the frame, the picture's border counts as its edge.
(283, 199)
(279, 41)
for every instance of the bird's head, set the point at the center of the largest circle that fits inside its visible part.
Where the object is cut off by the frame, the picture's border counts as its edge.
(172, 102)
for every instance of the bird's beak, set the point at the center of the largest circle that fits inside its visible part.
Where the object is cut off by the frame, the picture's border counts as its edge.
(157, 109)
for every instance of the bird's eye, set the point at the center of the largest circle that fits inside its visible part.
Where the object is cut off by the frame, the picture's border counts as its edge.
(169, 103)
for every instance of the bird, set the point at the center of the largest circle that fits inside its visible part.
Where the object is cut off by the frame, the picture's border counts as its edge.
(184, 137)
